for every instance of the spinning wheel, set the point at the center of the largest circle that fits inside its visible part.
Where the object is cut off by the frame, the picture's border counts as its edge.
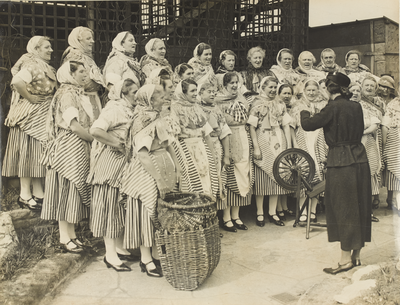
(291, 163)
(293, 168)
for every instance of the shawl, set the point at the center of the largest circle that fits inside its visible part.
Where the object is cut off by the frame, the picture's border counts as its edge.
(307, 72)
(74, 43)
(33, 55)
(238, 105)
(322, 67)
(191, 115)
(143, 117)
(146, 59)
(371, 101)
(202, 74)
(360, 68)
(255, 75)
(119, 51)
(68, 83)
(76, 52)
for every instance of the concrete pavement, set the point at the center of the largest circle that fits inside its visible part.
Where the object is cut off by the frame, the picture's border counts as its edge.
(269, 265)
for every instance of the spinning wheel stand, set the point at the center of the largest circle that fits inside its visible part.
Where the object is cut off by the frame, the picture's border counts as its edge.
(293, 168)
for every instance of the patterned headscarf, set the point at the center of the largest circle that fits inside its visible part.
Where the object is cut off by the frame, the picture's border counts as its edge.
(150, 54)
(75, 36)
(64, 75)
(116, 90)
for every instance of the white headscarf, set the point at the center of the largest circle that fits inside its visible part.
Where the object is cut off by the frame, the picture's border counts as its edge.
(154, 77)
(301, 63)
(279, 54)
(149, 46)
(305, 86)
(117, 42)
(34, 54)
(144, 94)
(32, 45)
(179, 93)
(115, 92)
(64, 75)
(75, 35)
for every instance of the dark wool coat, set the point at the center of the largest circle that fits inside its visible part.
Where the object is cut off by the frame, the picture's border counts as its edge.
(348, 179)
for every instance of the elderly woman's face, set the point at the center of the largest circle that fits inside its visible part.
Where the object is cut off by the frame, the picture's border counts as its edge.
(356, 90)
(307, 61)
(353, 61)
(159, 49)
(328, 58)
(191, 93)
(45, 50)
(206, 57)
(232, 86)
(369, 87)
(229, 62)
(87, 41)
(286, 60)
(256, 60)
(129, 44)
(80, 75)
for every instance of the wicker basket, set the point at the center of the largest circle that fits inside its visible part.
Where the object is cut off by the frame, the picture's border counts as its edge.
(189, 256)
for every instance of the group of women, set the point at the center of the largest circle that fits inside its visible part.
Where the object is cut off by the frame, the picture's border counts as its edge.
(160, 130)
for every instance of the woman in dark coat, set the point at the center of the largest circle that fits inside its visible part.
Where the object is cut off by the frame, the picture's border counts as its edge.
(348, 183)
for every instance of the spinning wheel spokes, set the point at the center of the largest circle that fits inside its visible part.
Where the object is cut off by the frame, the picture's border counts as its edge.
(291, 162)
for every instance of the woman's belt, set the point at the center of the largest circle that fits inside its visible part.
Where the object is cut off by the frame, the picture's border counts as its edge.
(346, 143)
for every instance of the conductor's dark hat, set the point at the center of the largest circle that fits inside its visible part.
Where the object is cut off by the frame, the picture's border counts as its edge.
(339, 78)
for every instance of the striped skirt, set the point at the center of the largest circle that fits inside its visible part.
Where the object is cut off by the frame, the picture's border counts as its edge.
(374, 161)
(391, 155)
(233, 199)
(391, 182)
(264, 185)
(139, 229)
(22, 156)
(107, 216)
(62, 201)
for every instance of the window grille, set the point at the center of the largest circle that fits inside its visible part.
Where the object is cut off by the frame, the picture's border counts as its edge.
(237, 25)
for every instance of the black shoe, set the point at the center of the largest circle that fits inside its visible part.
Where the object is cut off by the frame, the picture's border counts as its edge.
(31, 204)
(289, 212)
(229, 229)
(118, 268)
(157, 262)
(153, 272)
(276, 222)
(374, 219)
(240, 226)
(375, 204)
(340, 268)
(38, 200)
(260, 223)
(71, 247)
(128, 257)
(356, 262)
(281, 215)
(313, 219)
